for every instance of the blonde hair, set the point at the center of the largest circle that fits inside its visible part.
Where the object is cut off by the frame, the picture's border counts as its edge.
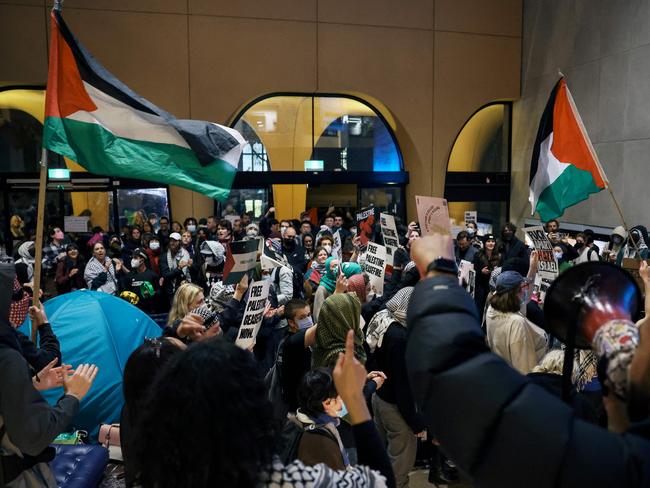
(184, 297)
(553, 362)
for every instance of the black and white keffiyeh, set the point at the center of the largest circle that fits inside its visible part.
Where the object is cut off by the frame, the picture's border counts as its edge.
(395, 311)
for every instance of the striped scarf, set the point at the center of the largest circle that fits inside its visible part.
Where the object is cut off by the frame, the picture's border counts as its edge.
(395, 312)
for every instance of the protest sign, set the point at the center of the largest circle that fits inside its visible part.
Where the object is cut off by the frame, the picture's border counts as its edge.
(337, 247)
(258, 293)
(470, 216)
(389, 233)
(232, 218)
(366, 219)
(547, 266)
(241, 258)
(467, 276)
(433, 215)
(75, 224)
(375, 266)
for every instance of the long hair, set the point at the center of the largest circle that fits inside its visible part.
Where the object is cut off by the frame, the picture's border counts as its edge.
(207, 422)
(183, 299)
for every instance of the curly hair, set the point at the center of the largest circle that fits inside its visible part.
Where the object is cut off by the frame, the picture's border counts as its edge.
(206, 423)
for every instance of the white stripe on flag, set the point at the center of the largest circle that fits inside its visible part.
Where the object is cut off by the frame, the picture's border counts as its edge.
(549, 169)
(125, 121)
(244, 262)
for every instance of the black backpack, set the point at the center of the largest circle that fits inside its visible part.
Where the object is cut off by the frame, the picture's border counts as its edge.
(291, 436)
(296, 280)
(273, 383)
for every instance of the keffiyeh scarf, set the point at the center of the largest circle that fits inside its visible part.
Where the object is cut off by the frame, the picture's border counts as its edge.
(395, 311)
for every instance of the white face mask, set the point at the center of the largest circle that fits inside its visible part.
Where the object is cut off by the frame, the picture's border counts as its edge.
(470, 231)
(191, 228)
(328, 248)
(251, 233)
(154, 246)
(305, 323)
(135, 263)
(266, 277)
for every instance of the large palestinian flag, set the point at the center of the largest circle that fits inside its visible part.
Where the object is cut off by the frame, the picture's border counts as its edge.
(564, 169)
(94, 119)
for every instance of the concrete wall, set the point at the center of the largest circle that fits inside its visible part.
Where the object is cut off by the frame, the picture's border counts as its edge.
(431, 62)
(603, 48)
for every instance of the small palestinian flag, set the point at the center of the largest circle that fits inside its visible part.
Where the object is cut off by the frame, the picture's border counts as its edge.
(241, 258)
(565, 169)
(94, 119)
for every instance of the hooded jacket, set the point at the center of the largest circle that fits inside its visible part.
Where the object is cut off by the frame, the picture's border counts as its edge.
(497, 426)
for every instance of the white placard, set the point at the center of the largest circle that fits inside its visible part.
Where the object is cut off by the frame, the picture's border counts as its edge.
(375, 266)
(75, 224)
(232, 218)
(337, 246)
(389, 233)
(470, 216)
(254, 314)
(433, 215)
(547, 266)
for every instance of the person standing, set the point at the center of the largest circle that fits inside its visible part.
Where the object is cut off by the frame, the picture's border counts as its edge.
(174, 266)
(485, 261)
(101, 271)
(70, 271)
(510, 246)
(143, 282)
(464, 250)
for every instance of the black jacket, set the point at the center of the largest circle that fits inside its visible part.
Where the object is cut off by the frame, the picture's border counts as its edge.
(512, 249)
(497, 425)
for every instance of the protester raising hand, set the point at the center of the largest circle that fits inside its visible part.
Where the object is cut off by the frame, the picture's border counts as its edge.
(341, 282)
(81, 380)
(350, 377)
(50, 376)
(429, 248)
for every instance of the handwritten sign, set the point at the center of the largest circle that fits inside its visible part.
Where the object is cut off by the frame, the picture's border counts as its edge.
(375, 266)
(337, 247)
(389, 233)
(547, 266)
(75, 224)
(253, 314)
(433, 215)
(470, 216)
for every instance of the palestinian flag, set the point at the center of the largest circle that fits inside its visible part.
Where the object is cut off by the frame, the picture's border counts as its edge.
(565, 169)
(97, 121)
(241, 258)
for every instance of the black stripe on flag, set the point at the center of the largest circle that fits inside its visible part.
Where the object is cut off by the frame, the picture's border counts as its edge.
(545, 129)
(207, 140)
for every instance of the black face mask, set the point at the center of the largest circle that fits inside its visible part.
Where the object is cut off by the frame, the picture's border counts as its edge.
(579, 245)
(289, 243)
(507, 236)
(32, 251)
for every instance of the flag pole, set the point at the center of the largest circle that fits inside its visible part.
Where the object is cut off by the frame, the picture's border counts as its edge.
(38, 244)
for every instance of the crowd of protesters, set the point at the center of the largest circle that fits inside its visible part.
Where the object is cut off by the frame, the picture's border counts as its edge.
(338, 388)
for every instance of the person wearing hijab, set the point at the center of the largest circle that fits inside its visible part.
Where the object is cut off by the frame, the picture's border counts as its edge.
(340, 313)
(327, 284)
(359, 284)
(393, 404)
(25, 262)
(636, 246)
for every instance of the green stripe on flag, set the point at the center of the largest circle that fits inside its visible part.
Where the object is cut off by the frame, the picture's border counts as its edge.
(572, 186)
(102, 153)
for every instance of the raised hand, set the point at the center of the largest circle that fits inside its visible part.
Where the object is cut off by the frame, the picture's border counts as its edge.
(350, 377)
(429, 248)
(50, 376)
(81, 380)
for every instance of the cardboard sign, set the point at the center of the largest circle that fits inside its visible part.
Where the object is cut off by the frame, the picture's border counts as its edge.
(337, 246)
(366, 219)
(75, 224)
(540, 287)
(389, 233)
(632, 266)
(470, 216)
(258, 293)
(433, 215)
(241, 257)
(375, 266)
(547, 266)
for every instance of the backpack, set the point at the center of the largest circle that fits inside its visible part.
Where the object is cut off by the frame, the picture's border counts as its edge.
(296, 281)
(291, 436)
(273, 384)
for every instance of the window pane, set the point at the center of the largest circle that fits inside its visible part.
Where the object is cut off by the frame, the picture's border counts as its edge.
(387, 198)
(20, 141)
(482, 145)
(135, 206)
(244, 200)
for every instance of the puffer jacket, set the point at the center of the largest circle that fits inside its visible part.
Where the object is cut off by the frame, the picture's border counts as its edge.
(499, 428)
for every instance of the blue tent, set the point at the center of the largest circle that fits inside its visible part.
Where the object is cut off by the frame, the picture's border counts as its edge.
(101, 329)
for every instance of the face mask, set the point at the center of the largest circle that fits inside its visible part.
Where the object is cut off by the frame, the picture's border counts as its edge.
(617, 239)
(283, 229)
(58, 235)
(116, 246)
(343, 412)
(470, 232)
(579, 245)
(328, 248)
(135, 263)
(251, 233)
(507, 236)
(154, 246)
(209, 260)
(266, 277)
(305, 323)
(335, 271)
(289, 243)
(191, 228)
(558, 255)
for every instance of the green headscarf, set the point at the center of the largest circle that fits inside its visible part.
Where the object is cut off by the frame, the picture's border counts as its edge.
(329, 280)
(339, 314)
(351, 269)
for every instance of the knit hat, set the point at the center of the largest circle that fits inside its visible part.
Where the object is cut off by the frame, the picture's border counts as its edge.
(340, 313)
(357, 284)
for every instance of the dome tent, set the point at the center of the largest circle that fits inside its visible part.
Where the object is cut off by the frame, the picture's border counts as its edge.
(100, 329)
